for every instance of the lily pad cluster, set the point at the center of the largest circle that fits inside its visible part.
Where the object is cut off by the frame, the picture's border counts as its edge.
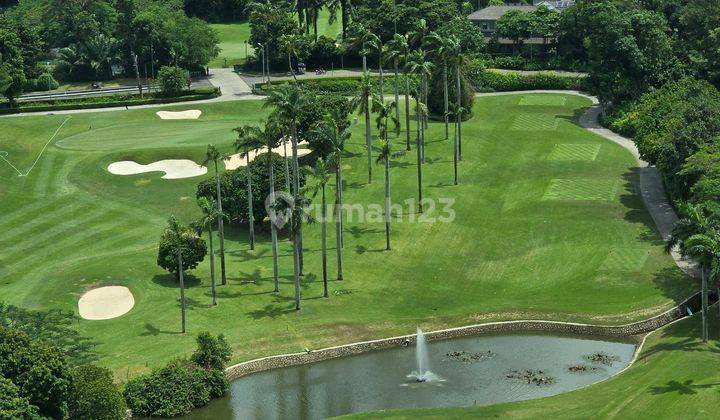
(530, 376)
(602, 358)
(466, 357)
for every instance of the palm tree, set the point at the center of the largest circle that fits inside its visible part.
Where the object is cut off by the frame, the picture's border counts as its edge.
(364, 40)
(288, 100)
(213, 155)
(344, 6)
(398, 51)
(328, 131)
(210, 216)
(384, 111)
(697, 237)
(362, 102)
(442, 49)
(420, 109)
(297, 207)
(249, 138)
(175, 231)
(456, 149)
(418, 64)
(458, 61)
(321, 174)
(292, 45)
(375, 45)
(417, 36)
(272, 134)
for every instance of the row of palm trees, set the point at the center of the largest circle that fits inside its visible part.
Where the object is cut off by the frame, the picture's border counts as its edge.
(282, 125)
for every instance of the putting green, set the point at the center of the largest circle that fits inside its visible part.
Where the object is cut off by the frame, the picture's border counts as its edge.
(531, 238)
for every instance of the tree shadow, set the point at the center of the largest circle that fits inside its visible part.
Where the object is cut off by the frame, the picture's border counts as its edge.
(401, 164)
(170, 280)
(353, 185)
(441, 185)
(255, 277)
(248, 255)
(687, 387)
(360, 249)
(358, 231)
(151, 330)
(270, 311)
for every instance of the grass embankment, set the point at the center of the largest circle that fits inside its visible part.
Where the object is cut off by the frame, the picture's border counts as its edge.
(674, 377)
(547, 225)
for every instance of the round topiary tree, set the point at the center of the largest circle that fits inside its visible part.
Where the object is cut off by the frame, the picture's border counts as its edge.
(187, 239)
(436, 102)
(46, 82)
(94, 395)
(172, 80)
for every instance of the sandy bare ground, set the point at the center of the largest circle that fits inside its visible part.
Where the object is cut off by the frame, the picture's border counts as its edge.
(192, 114)
(173, 168)
(235, 161)
(106, 303)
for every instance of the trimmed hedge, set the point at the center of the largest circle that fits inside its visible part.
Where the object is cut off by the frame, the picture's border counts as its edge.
(492, 81)
(346, 86)
(110, 101)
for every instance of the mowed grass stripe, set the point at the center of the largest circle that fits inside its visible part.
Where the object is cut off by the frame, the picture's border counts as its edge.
(38, 241)
(79, 244)
(59, 215)
(29, 210)
(42, 178)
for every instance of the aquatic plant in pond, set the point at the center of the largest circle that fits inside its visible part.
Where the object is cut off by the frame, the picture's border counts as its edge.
(466, 357)
(602, 358)
(530, 376)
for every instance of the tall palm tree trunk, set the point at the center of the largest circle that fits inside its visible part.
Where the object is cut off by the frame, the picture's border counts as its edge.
(419, 156)
(181, 279)
(397, 98)
(704, 299)
(251, 216)
(221, 227)
(296, 190)
(368, 138)
(458, 101)
(407, 113)
(323, 233)
(287, 165)
(338, 220)
(296, 269)
(455, 155)
(345, 16)
(212, 268)
(273, 229)
(380, 68)
(387, 203)
(446, 100)
(364, 62)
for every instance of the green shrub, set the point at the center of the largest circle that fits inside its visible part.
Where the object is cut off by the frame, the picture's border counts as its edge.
(39, 371)
(12, 404)
(192, 246)
(436, 98)
(171, 391)
(171, 80)
(212, 353)
(94, 395)
(46, 82)
(493, 81)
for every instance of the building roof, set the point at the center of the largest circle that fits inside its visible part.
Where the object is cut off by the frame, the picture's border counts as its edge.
(496, 12)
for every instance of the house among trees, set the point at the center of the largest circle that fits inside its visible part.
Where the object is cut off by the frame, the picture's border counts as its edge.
(488, 17)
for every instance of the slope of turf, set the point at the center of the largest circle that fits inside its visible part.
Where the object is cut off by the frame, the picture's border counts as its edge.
(533, 236)
(674, 377)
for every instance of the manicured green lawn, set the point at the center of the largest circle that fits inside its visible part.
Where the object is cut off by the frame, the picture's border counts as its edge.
(675, 377)
(547, 225)
(233, 36)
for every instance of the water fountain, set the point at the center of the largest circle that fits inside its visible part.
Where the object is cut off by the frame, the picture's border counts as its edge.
(422, 374)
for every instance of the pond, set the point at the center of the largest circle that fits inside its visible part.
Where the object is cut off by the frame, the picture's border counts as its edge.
(476, 370)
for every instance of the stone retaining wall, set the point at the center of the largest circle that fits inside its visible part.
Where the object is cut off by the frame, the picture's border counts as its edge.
(624, 331)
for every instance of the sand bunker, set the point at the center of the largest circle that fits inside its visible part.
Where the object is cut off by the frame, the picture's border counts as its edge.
(106, 303)
(192, 114)
(173, 168)
(235, 161)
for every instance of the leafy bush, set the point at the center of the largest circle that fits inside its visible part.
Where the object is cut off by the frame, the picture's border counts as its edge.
(436, 98)
(182, 385)
(492, 81)
(171, 80)
(94, 396)
(171, 391)
(233, 187)
(212, 353)
(512, 62)
(12, 404)
(39, 371)
(193, 247)
(46, 82)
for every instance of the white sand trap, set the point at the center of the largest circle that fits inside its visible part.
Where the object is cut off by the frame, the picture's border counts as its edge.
(192, 114)
(235, 161)
(106, 303)
(173, 168)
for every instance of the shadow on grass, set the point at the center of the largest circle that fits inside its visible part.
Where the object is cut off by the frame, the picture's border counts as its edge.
(688, 387)
(151, 330)
(170, 280)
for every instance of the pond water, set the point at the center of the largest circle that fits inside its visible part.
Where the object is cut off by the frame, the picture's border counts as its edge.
(477, 370)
